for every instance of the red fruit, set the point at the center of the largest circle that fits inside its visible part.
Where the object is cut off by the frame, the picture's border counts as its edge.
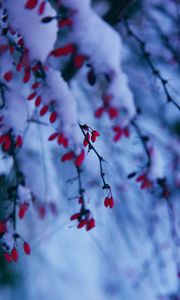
(99, 112)
(60, 138)
(44, 110)
(8, 76)
(119, 133)
(8, 257)
(36, 67)
(81, 224)
(106, 202)
(67, 156)
(75, 216)
(23, 209)
(35, 85)
(86, 140)
(112, 112)
(20, 42)
(37, 101)
(27, 248)
(19, 141)
(94, 135)
(65, 142)
(32, 96)
(42, 211)
(90, 224)
(53, 117)
(107, 99)
(66, 50)
(79, 159)
(126, 132)
(6, 143)
(146, 184)
(111, 202)
(53, 136)
(30, 4)
(65, 22)
(14, 254)
(141, 178)
(79, 61)
(2, 227)
(27, 75)
(41, 7)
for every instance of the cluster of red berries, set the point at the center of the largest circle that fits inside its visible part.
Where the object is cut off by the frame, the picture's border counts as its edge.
(31, 4)
(78, 160)
(144, 180)
(7, 143)
(107, 107)
(120, 132)
(91, 135)
(109, 202)
(85, 219)
(13, 254)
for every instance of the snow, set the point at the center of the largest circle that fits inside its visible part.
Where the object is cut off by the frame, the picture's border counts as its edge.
(39, 37)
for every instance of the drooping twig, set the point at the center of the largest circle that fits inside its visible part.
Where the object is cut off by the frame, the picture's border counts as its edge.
(148, 58)
(100, 158)
(144, 140)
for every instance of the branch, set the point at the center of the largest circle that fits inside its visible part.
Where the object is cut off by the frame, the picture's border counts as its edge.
(155, 71)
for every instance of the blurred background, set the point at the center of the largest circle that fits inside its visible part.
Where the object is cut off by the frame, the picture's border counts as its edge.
(133, 252)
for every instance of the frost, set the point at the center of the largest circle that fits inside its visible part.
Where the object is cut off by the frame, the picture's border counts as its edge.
(39, 37)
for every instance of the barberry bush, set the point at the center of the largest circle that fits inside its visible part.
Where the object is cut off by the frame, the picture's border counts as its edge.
(89, 148)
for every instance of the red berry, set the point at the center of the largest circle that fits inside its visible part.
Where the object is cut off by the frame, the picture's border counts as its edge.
(65, 22)
(99, 112)
(53, 117)
(67, 156)
(8, 76)
(79, 61)
(32, 96)
(66, 50)
(35, 85)
(44, 110)
(75, 216)
(30, 4)
(27, 75)
(112, 112)
(94, 135)
(79, 159)
(81, 224)
(14, 254)
(111, 202)
(106, 202)
(107, 99)
(2, 227)
(41, 7)
(8, 257)
(27, 248)
(53, 136)
(90, 224)
(19, 141)
(6, 143)
(126, 132)
(86, 140)
(37, 101)
(23, 209)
